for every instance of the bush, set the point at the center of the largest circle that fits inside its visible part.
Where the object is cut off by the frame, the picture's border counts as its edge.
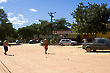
(52, 41)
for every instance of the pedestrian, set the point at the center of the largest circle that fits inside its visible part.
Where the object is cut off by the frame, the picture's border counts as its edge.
(45, 45)
(5, 44)
(84, 40)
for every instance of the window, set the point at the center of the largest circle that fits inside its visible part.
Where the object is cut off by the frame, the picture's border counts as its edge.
(63, 40)
(101, 41)
(67, 40)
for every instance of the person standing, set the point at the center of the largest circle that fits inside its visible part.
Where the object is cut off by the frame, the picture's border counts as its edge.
(84, 40)
(5, 44)
(45, 45)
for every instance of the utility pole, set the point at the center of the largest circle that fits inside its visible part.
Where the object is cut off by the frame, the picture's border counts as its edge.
(51, 15)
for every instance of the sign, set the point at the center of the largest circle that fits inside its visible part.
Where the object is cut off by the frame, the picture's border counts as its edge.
(62, 32)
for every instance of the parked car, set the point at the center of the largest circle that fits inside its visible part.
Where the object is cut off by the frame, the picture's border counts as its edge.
(1, 42)
(67, 42)
(33, 41)
(97, 44)
(42, 42)
(18, 41)
(36, 41)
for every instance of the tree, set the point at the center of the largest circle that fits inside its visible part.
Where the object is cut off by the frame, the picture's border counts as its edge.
(6, 27)
(74, 28)
(45, 27)
(25, 33)
(36, 29)
(61, 24)
(3, 17)
(14, 34)
(91, 18)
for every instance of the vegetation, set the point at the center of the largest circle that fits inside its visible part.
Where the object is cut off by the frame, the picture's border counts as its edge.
(42, 30)
(88, 19)
(6, 28)
(91, 19)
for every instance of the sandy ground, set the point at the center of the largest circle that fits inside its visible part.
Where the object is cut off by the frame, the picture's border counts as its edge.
(28, 58)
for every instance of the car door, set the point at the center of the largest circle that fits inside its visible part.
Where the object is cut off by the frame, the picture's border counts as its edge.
(100, 44)
(64, 42)
(67, 42)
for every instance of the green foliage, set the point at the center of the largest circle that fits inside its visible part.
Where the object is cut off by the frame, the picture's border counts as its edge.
(52, 41)
(3, 17)
(61, 24)
(6, 28)
(74, 28)
(43, 29)
(91, 18)
(25, 32)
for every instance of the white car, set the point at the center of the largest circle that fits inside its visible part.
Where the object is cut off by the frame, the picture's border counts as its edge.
(67, 42)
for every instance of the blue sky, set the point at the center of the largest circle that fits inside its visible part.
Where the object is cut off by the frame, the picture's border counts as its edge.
(25, 12)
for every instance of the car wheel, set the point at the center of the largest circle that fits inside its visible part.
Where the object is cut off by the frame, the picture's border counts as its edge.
(61, 44)
(88, 49)
(73, 44)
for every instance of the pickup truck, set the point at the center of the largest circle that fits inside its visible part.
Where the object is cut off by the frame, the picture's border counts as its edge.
(97, 44)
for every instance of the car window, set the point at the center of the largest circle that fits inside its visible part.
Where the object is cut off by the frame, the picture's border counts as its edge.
(62, 40)
(101, 41)
(67, 40)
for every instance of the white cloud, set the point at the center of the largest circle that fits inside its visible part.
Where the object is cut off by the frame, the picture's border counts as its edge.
(10, 13)
(33, 10)
(3, 1)
(20, 15)
(18, 20)
(38, 21)
(2, 7)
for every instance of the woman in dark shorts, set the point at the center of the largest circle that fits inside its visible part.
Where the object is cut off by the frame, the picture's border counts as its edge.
(5, 44)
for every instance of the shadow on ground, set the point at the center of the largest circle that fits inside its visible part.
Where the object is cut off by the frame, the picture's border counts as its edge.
(10, 55)
(51, 53)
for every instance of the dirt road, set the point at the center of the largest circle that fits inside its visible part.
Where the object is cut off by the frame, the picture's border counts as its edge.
(28, 58)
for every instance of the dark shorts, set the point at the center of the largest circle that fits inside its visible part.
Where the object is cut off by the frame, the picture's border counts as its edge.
(5, 48)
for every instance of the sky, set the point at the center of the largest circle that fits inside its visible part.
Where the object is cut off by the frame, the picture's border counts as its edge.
(23, 13)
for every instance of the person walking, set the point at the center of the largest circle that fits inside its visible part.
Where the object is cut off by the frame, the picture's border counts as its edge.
(5, 44)
(45, 45)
